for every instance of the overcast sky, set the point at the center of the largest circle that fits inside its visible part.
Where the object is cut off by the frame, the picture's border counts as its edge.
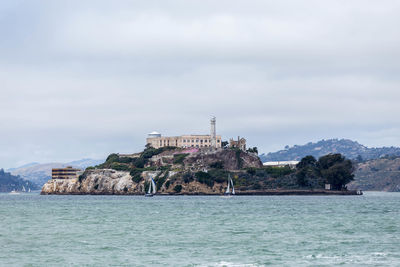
(88, 78)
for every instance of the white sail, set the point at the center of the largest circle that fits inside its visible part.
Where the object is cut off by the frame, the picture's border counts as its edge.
(23, 189)
(233, 189)
(29, 190)
(154, 185)
(149, 191)
(227, 189)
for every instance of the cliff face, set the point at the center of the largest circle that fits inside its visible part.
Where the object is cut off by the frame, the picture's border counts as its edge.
(112, 182)
(231, 159)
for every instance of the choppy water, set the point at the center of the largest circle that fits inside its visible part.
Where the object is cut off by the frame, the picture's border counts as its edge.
(200, 231)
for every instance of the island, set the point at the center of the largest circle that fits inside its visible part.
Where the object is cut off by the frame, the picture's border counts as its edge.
(207, 171)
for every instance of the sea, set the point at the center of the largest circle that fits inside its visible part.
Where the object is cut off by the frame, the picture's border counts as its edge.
(57, 230)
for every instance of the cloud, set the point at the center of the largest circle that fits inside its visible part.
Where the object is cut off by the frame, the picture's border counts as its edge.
(91, 78)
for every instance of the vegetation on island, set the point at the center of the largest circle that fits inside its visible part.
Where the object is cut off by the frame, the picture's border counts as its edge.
(173, 166)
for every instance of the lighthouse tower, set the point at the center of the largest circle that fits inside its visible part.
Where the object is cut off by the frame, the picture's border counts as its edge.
(213, 133)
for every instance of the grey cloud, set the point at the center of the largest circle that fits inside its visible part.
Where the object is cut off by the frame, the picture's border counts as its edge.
(84, 79)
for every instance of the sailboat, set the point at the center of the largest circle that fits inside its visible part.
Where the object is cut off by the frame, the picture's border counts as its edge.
(23, 189)
(29, 190)
(228, 191)
(152, 189)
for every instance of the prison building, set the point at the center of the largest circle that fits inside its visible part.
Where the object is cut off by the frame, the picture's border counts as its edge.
(64, 173)
(155, 140)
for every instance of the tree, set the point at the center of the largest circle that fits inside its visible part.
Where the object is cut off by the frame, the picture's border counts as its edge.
(253, 150)
(307, 172)
(307, 161)
(336, 170)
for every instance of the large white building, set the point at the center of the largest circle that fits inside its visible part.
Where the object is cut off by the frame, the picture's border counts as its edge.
(155, 139)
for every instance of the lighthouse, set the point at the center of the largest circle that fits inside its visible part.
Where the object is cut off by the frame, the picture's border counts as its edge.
(213, 133)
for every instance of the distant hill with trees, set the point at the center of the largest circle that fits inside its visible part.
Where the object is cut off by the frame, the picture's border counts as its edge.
(348, 148)
(381, 174)
(41, 173)
(9, 182)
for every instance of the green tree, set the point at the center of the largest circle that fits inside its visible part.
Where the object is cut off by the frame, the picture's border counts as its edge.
(178, 188)
(336, 170)
(307, 161)
(308, 173)
(253, 150)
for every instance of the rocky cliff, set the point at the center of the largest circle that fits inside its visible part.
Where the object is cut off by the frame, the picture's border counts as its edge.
(175, 171)
(112, 182)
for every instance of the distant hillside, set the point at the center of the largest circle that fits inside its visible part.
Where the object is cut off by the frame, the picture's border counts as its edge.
(378, 175)
(41, 173)
(350, 149)
(9, 182)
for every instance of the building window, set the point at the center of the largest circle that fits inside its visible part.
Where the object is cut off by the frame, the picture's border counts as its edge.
(192, 140)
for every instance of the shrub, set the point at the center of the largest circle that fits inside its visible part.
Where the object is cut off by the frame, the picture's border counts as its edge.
(279, 171)
(187, 177)
(217, 165)
(204, 178)
(119, 167)
(124, 160)
(136, 175)
(251, 171)
(178, 158)
(219, 175)
(138, 162)
(112, 158)
(167, 184)
(178, 188)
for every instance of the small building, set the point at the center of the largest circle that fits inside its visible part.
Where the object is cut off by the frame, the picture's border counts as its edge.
(239, 143)
(65, 173)
(328, 187)
(291, 163)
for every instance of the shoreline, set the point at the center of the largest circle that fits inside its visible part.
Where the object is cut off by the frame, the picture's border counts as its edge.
(240, 193)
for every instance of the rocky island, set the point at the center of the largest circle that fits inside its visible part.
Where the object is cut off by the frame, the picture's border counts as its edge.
(204, 171)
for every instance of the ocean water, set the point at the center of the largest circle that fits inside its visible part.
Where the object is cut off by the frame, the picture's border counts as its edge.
(40, 230)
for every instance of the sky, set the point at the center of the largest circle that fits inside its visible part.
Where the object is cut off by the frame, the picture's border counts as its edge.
(83, 79)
